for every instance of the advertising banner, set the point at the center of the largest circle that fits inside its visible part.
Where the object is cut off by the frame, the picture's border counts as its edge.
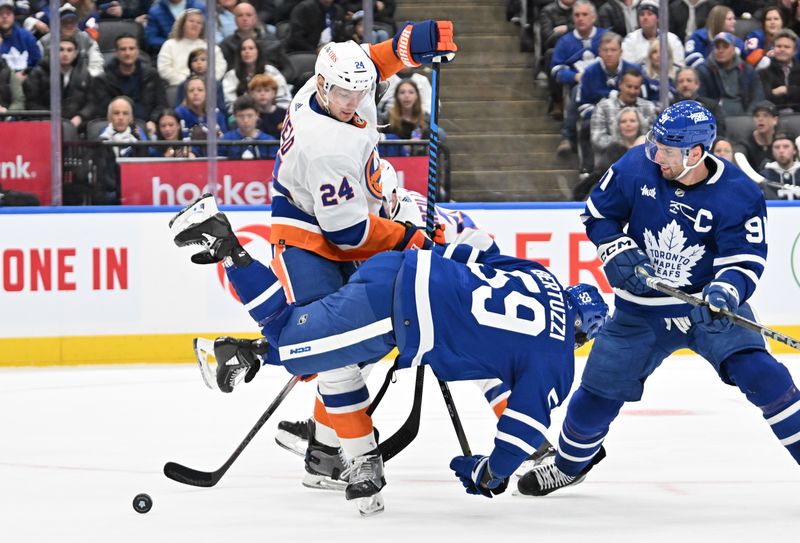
(25, 158)
(109, 286)
(241, 182)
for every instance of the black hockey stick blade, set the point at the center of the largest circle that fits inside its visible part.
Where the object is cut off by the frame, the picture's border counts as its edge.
(410, 428)
(189, 476)
(657, 284)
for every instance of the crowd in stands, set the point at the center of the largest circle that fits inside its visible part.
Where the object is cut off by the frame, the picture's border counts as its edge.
(739, 58)
(149, 81)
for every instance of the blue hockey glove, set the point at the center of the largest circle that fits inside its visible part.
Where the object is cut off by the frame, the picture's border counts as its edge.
(476, 476)
(424, 42)
(620, 256)
(719, 295)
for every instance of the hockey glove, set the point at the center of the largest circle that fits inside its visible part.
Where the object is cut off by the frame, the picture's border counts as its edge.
(201, 223)
(620, 256)
(424, 42)
(236, 357)
(719, 295)
(476, 476)
(414, 238)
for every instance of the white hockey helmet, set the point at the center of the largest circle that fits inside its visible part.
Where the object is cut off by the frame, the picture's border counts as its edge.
(346, 66)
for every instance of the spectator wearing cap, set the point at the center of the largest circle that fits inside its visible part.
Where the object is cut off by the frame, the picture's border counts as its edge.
(687, 86)
(781, 79)
(758, 145)
(90, 51)
(574, 52)
(618, 16)
(75, 82)
(728, 80)
(17, 46)
(784, 168)
(12, 96)
(127, 75)
(686, 16)
(636, 44)
(161, 18)
(700, 44)
(87, 18)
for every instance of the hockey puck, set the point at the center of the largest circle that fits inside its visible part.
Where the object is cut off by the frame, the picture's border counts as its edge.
(142, 503)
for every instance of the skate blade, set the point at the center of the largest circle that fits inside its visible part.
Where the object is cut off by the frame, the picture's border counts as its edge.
(320, 482)
(518, 494)
(291, 443)
(370, 506)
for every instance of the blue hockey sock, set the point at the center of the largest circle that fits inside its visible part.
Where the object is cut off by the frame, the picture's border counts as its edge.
(768, 385)
(585, 427)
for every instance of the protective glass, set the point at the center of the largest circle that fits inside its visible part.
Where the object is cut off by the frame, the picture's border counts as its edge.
(668, 156)
(344, 98)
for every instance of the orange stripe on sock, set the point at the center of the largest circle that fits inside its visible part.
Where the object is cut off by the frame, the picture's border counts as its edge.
(320, 414)
(499, 407)
(351, 425)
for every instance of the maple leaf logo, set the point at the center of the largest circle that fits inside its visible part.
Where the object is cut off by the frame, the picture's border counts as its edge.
(17, 60)
(670, 257)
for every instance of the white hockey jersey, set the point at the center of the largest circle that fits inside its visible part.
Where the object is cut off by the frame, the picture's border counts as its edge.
(326, 188)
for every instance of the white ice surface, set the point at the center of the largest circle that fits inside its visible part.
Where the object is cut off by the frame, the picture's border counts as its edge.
(692, 462)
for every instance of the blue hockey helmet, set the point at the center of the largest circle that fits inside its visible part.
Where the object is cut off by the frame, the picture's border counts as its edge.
(591, 311)
(682, 125)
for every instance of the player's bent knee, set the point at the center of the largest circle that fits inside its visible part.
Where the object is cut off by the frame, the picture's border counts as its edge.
(589, 414)
(758, 375)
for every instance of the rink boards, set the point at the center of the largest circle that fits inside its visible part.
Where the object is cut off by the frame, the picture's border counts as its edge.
(107, 285)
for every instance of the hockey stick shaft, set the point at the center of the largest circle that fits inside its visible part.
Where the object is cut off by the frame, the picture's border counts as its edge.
(749, 171)
(659, 285)
(189, 476)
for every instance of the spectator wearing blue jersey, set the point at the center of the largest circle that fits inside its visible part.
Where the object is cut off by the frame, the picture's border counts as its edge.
(572, 55)
(18, 47)
(700, 44)
(651, 90)
(246, 115)
(161, 18)
(728, 80)
(193, 113)
(758, 43)
(781, 79)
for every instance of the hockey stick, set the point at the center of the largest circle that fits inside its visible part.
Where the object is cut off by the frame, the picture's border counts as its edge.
(410, 428)
(659, 285)
(750, 172)
(189, 476)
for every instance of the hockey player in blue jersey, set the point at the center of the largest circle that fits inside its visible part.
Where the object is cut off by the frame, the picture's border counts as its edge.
(467, 314)
(687, 216)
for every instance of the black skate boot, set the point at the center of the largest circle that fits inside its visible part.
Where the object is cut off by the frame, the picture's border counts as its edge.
(293, 436)
(201, 223)
(325, 468)
(365, 483)
(547, 478)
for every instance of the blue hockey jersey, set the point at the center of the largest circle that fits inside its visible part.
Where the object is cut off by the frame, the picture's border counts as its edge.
(465, 313)
(715, 230)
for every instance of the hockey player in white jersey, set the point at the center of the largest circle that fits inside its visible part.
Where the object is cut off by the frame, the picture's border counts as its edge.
(404, 206)
(326, 199)
(699, 222)
(467, 314)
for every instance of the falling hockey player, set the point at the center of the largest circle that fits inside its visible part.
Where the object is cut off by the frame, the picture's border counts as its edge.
(453, 308)
(684, 215)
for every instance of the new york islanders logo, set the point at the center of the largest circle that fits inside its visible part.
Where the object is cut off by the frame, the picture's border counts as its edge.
(670, 256)
(372, 174)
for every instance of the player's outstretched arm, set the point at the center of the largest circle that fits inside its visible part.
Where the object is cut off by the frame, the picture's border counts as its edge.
(414, 44)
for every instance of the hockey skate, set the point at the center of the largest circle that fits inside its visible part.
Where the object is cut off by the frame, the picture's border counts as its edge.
(545, 454)
(547, 478)
(365, 483)
(293, 436)
(325, 467)
(201, 223)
